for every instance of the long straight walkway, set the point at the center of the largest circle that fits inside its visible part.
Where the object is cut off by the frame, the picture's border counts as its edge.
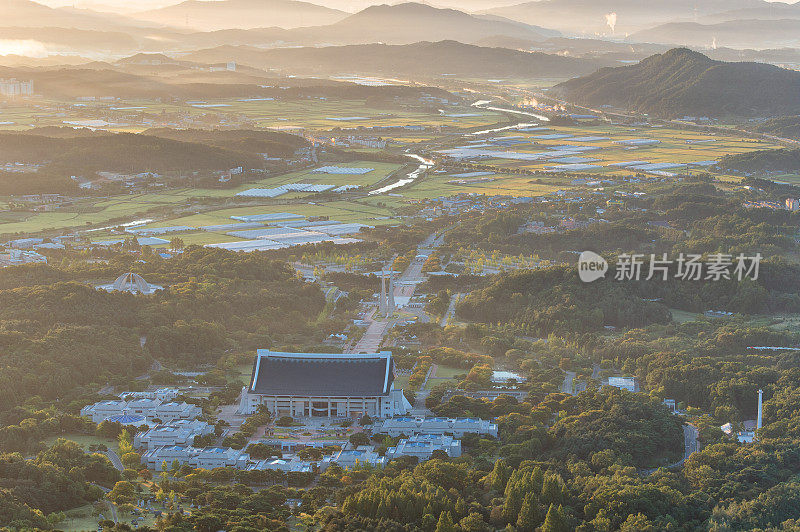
(379, 326)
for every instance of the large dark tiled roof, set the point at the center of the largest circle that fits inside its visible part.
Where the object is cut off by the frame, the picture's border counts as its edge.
(302, 374)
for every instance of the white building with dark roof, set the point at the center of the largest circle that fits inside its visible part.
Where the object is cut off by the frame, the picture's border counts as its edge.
(324, 385)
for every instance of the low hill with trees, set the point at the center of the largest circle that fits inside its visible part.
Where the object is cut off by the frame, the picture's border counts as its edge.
(762, 161)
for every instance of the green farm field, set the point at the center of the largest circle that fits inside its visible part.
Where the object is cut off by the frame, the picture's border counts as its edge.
(316, 114)
(129, 207)
(433, 185)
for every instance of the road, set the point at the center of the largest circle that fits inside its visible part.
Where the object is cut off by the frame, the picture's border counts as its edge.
(405, 286)
(690, 435)
(566, 386)
(451, 310)
(115, 460)
(111, 505)
(690, 446)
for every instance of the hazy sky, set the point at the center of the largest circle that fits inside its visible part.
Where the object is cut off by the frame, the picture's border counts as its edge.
(130, 6)
(117, 5)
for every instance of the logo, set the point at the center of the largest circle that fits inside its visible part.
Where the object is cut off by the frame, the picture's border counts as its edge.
(591, 266)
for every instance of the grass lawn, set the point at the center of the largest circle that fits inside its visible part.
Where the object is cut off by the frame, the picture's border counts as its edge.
(445, 374)
(80, 519)
(401, 381)
(85, 440)
(683, 316)
(245, 372)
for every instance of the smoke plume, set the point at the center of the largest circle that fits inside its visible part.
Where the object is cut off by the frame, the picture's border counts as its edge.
(611, 21)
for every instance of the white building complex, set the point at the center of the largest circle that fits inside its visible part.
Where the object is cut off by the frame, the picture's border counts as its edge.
(289, 465)
(180, 432)
(161, 394)
(14, 87)
(214, 457)
(208, 458)
(324, 385)
(152, 410)
(423, 445)
(348, 458)
(458, 427)
(624, 383)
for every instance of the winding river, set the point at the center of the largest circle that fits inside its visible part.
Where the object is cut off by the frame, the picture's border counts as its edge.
(424, 165)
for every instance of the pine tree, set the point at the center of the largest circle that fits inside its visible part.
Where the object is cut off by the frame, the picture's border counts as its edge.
(537, 477)
(513, 501)
(499, 476)
(553, 489)
(460, 508)
(445, 523)
(554, 522)
(529, 516)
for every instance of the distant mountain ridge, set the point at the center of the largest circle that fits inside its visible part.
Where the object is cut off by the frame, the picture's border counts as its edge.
(412, 22)
(430, 59)
(682, 82)
(29, 14)
(243, 14)
(748, 33)
(588, 17)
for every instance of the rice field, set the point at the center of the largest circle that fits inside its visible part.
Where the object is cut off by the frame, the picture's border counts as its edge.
(604, 145)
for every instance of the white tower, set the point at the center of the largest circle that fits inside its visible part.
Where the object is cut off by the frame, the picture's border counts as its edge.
(758, 416)
(391, 292)
(382, 301)
(243, 402)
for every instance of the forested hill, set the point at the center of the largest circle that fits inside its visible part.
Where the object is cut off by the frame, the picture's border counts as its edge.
(65, 152)
(274, 143)
(783, 160)
(123, 152)
(784, 126)
(682, 82)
